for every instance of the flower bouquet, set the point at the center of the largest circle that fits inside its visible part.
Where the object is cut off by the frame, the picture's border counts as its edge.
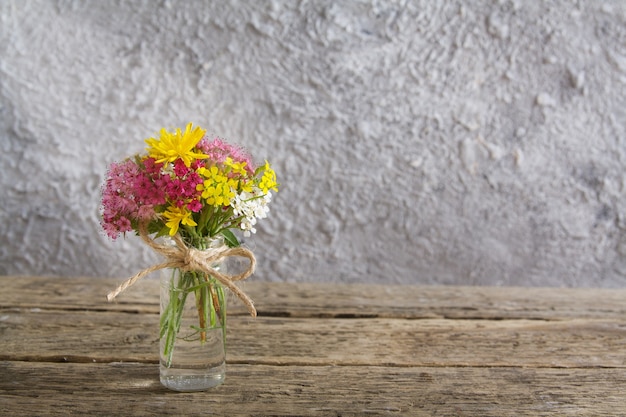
(184, 198)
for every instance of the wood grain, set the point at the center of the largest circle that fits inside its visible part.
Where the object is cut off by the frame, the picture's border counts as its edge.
(333, 300)
(321, 350)
(123, 389)
(114, 336)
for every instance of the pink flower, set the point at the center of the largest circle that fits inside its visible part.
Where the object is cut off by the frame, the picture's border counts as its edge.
(123, 224)
(180, 169)
(145, 212)
(194, 205)
(151, 167)
(128, 194)
(218, 151)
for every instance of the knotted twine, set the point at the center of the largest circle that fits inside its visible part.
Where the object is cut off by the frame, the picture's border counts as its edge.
(188, 258)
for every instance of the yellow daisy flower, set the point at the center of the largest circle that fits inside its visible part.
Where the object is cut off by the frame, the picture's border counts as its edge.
(177, 215)
(172, 146)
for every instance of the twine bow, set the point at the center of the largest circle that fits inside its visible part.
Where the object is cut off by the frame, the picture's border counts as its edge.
(191, 259)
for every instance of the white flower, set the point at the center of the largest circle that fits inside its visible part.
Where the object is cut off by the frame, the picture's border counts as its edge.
(251, 206)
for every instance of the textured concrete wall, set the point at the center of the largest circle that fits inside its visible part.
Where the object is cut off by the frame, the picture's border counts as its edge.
(466, 142)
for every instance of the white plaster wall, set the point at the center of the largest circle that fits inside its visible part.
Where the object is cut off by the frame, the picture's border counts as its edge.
(452, 142)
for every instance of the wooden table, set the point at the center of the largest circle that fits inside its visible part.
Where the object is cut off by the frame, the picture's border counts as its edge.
(321, 350)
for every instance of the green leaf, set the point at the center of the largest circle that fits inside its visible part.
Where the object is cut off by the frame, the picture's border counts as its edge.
(230, 238)
(165, 231)
(154, 226)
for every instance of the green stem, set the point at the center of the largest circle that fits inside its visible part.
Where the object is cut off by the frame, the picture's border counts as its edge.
(210, 306)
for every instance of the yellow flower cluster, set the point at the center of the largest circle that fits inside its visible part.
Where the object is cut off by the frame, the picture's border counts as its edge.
(239, 169)
(217, 188)
(268, 181)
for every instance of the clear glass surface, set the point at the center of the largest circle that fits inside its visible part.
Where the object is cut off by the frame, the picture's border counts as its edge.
(192, 353)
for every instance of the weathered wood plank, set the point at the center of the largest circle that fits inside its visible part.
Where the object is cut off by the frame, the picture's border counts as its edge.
(112, 336)
(47, 389)
(333, 300)
(321, 350)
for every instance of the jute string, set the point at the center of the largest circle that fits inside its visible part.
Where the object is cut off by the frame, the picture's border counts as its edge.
(191, 259)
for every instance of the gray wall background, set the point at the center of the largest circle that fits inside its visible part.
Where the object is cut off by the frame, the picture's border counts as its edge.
(450, 142)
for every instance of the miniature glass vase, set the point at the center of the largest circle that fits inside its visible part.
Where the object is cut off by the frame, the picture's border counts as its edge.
(192, 330)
